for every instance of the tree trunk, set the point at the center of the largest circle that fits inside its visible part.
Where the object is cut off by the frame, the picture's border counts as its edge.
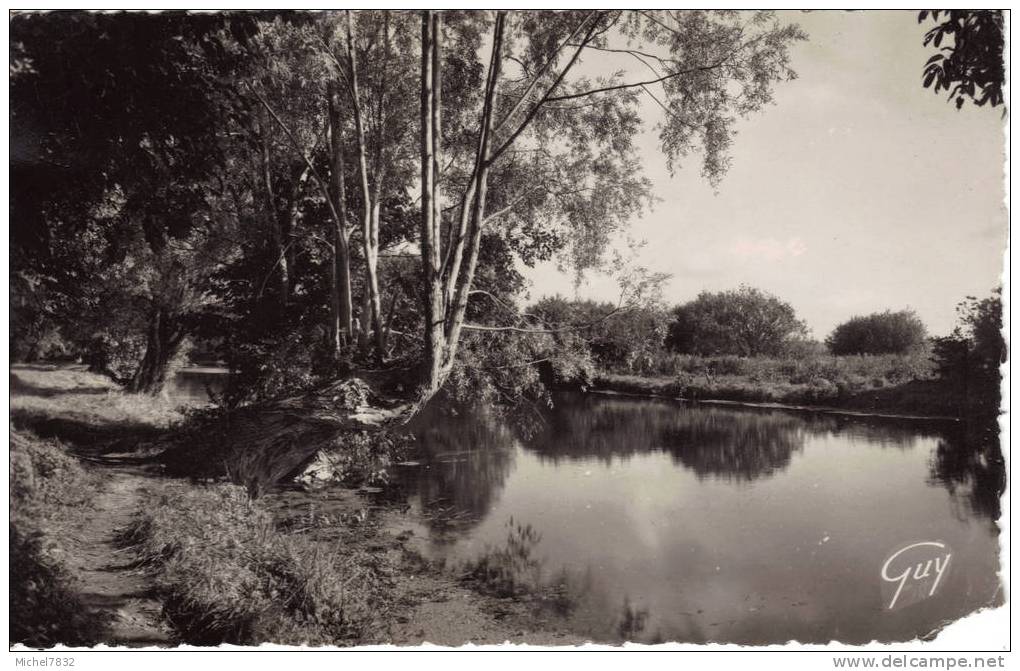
(163, 342)
(433, 294)
(365, 321)
(372, 278)
(260, 446)
(370, 204)
(342, 305)
(278, 244)
(455, 319)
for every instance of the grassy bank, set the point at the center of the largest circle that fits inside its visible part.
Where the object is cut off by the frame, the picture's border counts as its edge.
(85, 408)
(224, 567)
(228, 575)
(880, 384)
(50, 493)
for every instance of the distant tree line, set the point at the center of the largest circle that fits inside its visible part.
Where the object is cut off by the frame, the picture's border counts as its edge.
(748, 322)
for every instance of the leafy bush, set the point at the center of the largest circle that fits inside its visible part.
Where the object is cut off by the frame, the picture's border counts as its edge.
(745, 322)
(614, 338)
(228, 576)
(891, 368)
(275, 366)
(969, 358)
(880, 333)
(114, 353)
(493, 369)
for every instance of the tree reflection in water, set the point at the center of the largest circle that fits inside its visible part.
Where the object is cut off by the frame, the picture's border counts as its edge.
(710, 441)
(969, 463)
(465, 464)
(466, 459)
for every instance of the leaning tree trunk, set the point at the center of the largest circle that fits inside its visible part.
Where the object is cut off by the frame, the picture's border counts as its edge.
(261, 445)
(163, 342)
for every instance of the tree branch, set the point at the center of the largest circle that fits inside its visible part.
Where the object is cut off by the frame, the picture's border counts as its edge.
(545, 97)
(542, 70)
(573, 327)
(619, 87)
(297, 147)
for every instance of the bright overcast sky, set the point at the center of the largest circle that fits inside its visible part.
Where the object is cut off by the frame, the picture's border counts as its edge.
(858, 191)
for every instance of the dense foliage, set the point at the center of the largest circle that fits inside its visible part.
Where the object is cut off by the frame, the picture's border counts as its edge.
(880, 333)
(970, 65)
(970, 357)
(745, 322)
(311, 194)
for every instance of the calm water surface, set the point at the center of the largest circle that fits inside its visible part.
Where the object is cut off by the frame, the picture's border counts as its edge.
(714, 524)
(192, 385)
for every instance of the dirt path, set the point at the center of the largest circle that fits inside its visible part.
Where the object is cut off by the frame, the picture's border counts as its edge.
(110, 584)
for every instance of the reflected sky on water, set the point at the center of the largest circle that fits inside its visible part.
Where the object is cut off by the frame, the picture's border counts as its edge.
(717, 523)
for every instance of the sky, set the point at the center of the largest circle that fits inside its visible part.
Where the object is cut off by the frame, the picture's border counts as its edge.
(858, 191)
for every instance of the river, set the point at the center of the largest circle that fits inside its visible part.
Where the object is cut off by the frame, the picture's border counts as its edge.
(706, 523)
(664, 521)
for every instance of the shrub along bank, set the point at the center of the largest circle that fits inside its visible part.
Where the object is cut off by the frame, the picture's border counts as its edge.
(894, 384)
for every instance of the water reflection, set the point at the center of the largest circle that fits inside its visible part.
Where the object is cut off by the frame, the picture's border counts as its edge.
(969, 463)
(197, 385)
(711, 442)
(660, 521)
(464, 461)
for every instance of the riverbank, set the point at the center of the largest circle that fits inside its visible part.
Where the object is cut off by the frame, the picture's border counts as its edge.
(914, 398)
(108, 549)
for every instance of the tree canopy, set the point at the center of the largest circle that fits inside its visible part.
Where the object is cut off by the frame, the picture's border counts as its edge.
(970, 65)
(879, 333)
(318, 192)
(745, 322)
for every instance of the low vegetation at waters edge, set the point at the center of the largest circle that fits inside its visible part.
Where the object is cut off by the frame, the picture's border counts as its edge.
(883, 383)
(227, 575)
(49, 491)
(852, 372)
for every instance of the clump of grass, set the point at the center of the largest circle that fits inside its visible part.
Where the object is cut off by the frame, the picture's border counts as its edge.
(44, 477)
(632, 621)
(229, 576)
(48, 487)
(510, 570)
(515, 571)
(45, 608)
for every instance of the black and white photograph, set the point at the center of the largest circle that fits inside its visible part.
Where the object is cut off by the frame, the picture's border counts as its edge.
(508, 329)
